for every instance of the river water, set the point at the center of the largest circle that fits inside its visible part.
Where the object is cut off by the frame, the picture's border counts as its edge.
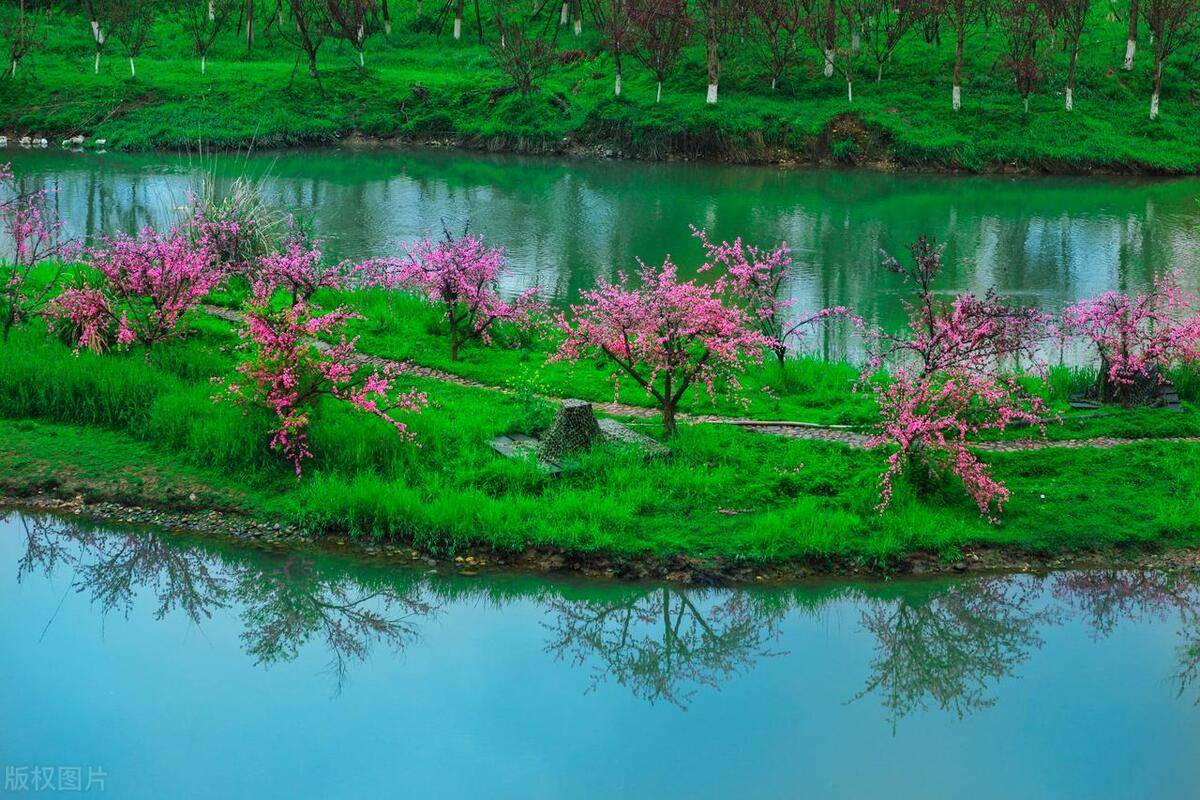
(565, 222)
(163, 665)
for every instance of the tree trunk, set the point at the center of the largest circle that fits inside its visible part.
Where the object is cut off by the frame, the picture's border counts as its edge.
(1158, 70)
(956, 93)
(617, 83)
(249, 24)
(1131, 43)
(830, 37)
(850, 91)
(714, 58)
(668, 420)
(658, 97)
(203, 65)
(1071, 77)
(132, 69)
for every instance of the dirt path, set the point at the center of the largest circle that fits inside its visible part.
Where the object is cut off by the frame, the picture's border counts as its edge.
(838, 434)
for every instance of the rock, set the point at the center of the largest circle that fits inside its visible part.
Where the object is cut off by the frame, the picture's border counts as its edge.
(960, 566)
(26, 141)
(76, 141)
(3, 141)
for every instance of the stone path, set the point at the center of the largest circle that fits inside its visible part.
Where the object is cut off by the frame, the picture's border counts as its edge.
(837, 434)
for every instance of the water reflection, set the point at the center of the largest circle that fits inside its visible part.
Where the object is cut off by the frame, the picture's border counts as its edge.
(947, 645)
(566, 223)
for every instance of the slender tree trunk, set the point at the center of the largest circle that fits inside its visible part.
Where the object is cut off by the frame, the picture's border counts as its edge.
(668, 419)
(1158, 70)
(387, 17)
(617, 83)
(713, 57)
(203, 64)
(1071, 77)
(658, 97)
(132, 69)
(956, 92)
(249, 24)
(1131, 42)
(830, 38)
(458, 18)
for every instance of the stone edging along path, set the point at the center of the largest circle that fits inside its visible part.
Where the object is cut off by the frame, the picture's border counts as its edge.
(837, 434)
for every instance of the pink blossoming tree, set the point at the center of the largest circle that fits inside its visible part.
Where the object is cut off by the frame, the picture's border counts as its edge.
(34, 231)
(1137, 337)
(948, 381)
(298, 267)
(462, 276)
(757, 278)
(287, 369)
(149, 283)
(666, 334)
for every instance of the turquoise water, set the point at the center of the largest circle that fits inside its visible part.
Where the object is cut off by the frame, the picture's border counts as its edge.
(567, 222)
(184, 668)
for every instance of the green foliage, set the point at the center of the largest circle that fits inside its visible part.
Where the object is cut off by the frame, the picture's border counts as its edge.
(419, 85)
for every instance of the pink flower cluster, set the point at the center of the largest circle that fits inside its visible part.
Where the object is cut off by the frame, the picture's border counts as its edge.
(666, 334)
(29, 220)
(298, 268)
(757, 279)
(1138, 336)
(288, 368)
(149, 282)
(948, 382)
(461, 275)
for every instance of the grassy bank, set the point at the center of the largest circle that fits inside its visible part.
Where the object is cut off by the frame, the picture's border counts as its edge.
(124, 428)
(420, 86)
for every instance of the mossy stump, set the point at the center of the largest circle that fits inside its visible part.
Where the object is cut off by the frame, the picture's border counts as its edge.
(573, 431)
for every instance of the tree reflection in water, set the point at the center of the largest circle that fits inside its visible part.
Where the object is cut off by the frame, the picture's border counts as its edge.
(942, 645)
(947, 645)
(664, 643)
(284, 604)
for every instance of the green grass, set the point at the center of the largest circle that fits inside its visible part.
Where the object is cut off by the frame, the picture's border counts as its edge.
(146, 431)
(419, 86)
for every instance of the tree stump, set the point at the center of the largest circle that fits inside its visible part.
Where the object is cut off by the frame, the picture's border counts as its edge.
(573, 431)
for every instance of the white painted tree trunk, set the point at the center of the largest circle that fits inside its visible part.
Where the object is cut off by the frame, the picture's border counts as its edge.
(97, 67)
(658, 97)
(617, 86)
(578, 26)
(772, 84)
(956, 97)
(458, 27)
(565, 15)
(360, 59)
(1026, 105)
(712, 93)
(1154, 106)
(828, 63)
(132, 69)
(203, 65)
(850, 91)
(387, 27)
(14, 68)
(212, 13)
(1070, 99)
(1130, 52)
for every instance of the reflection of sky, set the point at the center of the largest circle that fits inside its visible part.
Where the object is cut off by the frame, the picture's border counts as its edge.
(478, 706)
(565, 223)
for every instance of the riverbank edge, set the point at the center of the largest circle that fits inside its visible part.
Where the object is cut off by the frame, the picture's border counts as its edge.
(872, 151)
(680, 569)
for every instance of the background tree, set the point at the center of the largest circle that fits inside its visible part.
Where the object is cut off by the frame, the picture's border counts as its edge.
(100, 14)
(131, 22)
(963, 16)
(617, 28)
(1024, 24)
(523, 58)
(1173, 24)
(24, 31)
(885, 23)
(351, 21)
(307, 32)
(722, 20)
(781, 27)
(663, 28)
(1070, 19)
(1131, 42)
(203, 20)
(824, 26)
